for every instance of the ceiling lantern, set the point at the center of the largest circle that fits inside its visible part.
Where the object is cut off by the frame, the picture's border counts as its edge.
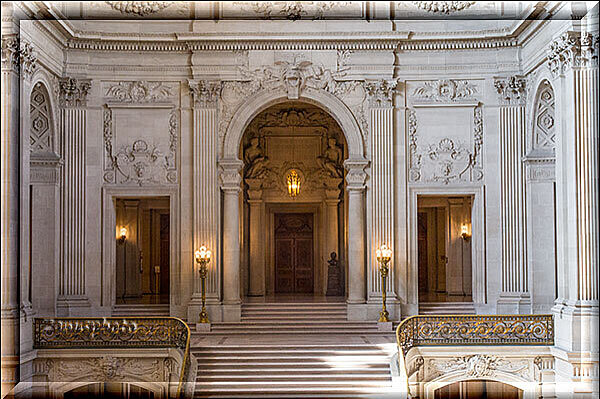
(293, 183)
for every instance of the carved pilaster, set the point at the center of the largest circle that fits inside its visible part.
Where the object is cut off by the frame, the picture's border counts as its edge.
(73, 92)
(511, 90)
(10, 53)
(205, 93)
(381, 92)
(28, 59)
(572, 50)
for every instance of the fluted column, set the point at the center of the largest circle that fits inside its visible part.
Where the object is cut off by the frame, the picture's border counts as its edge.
(382, 185)
(9, 156)
(573, 61)
(230, 185)
(515, 296)
(72, 297)
(357, 285)
(206, 191)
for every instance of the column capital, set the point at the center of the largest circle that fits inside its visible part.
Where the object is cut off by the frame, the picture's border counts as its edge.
(73, 92)
(511, 90)
(229, 175)
(18, 56)
(572, 50)
(381, 92)
(205, 93)
(356, 176)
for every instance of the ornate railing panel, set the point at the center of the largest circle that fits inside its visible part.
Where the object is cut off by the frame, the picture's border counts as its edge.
(475, 330)
(115, 332)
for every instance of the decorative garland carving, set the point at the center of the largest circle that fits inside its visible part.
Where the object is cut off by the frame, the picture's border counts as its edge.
(480, 366)
(573, 49)
(106, 368)
(444, 7)
(73, 92)
(446, 90)
(139, 92)
(448, 160)
(511, 90)
(141, 162)
(292, 10)
(140, 8)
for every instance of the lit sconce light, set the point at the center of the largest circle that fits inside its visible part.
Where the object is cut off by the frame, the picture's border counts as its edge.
(293, 183)
(123, 235)
(464, 232)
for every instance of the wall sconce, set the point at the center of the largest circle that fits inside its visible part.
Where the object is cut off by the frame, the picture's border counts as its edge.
(123, 235)
(293, 183)
(464, 232)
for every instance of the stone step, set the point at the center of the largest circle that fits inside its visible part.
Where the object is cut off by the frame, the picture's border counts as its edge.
(282, 385)
(297, 330)
(287, 351)
(259, 371)
(287, 364)
(133, 310)
(300, 392)
(291, 377)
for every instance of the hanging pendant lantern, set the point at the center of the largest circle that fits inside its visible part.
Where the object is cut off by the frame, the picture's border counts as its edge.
(293, 183)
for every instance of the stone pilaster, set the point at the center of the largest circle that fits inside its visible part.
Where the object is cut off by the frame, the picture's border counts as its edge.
(9, 156)
(72, 298)
(256, 277)
(573, 61)
(206, 191)
(355, 179)
(515, 296)
(230, 185)
(382, 185)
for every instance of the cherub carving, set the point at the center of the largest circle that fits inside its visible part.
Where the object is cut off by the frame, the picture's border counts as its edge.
(331, 160)
(255, 160)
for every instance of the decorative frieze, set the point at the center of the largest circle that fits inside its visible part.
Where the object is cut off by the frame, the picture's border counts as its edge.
(106, 368)
(443, 7)
(205, 93)
(73, 92)
(572, 50)
(447, 160)
(381, 92)
(142, 162)
(292, 10)
(511, 90)
(479, 366)
(141, 8)
(139, 91)
(445, 91)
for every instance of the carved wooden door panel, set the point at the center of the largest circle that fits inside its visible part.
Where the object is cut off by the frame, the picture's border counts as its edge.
(294, 266)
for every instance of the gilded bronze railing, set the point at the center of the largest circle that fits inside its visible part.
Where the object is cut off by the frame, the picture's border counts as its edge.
(475, 330)
(115, 332)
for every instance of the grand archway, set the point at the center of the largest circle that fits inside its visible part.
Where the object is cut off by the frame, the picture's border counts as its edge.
(293, 238)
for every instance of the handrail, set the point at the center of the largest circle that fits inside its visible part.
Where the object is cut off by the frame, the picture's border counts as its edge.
(114, 332)
(426, 330)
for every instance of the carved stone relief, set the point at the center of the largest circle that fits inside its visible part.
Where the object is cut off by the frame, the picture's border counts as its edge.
(447, 160)
(41, 134)
(573, 49)
(446, 90)
(138, 92)
(479, 366)
(292, 10)
(73, 92)
(140, 8)
(511, 90)
(105, 368)
(140, 162)
(544, 134)
(443, 7)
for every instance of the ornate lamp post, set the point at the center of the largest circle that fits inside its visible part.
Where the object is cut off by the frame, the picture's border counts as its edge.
(384, 255)
(202, 258)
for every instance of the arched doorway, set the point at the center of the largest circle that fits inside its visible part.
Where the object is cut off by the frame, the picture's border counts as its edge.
(293, 202)
(478, 389)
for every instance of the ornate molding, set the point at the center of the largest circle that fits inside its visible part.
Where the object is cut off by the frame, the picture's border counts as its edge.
(229, 174)
(141, 8)
(445, 90)
(381, 92)
(73, 92)
(139, 91)
(511, 90)
(106, 368)
(448, 160)
(292, 10)
(443, 7)
(10, 52)
(27, 58)
(141, 162)
(356, 176)
(480, 366)
(572, 50)
(205, 93)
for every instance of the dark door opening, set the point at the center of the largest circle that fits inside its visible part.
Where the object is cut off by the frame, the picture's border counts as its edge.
(478, 389)
(294, 265)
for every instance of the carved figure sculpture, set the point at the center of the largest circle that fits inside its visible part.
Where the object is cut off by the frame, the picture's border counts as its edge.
(331, 160)
(256, 161)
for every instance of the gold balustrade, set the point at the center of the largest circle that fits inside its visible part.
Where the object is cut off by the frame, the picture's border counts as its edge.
(115, 332)
(469, 330)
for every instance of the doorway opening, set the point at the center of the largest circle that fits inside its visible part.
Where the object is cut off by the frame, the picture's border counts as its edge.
(143, 250)
(478, 389)
(444, 248)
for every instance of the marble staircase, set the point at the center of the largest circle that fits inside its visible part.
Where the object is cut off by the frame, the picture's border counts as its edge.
(293, 350)
(141, 310)
(446, 308)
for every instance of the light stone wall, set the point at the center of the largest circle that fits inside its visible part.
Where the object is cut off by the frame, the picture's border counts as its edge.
(426, 107)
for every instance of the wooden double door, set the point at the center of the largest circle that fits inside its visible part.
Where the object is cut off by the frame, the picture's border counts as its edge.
(294, 253)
